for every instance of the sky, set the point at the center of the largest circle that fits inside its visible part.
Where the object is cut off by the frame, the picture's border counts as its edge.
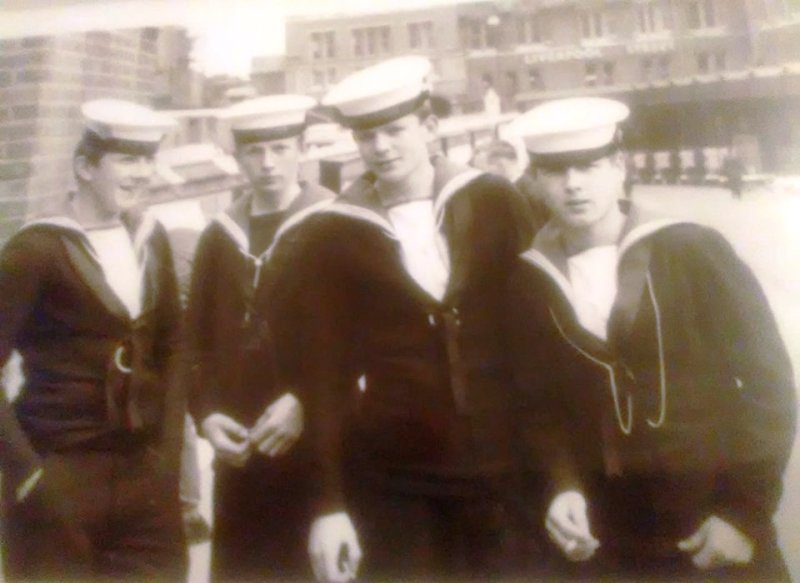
(227, 33)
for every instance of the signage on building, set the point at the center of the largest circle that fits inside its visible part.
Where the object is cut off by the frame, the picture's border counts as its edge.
(563, 54)
(650, 46)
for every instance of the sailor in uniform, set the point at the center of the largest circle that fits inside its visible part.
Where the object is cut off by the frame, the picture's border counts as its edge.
(90, 448)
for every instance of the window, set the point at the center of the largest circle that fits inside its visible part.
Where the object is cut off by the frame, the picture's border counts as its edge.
(599, 73)
(647, 68)
(594, 24)
(529, 30)
(535, 79)
(317, 78)
(473, 33)
(608, 73)
(386, 42)
(655, 68)
(710, 62)
(650, 18)
(420, 35)
(663, 67)
(590, 76)
(374, 40)
(323, 45)
(701, 14)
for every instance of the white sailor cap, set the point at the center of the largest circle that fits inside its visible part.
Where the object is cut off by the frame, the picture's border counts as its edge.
(272, 117)
(572, 129)
(381, 93)
(114, 125)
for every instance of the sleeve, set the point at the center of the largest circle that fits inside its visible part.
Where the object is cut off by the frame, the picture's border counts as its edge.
(760, 405)
(199, 375)
(517, 215)
(541, 419)
(24, 267)
(316, 355)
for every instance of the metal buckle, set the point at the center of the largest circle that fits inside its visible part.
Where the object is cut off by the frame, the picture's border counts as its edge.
(118, 354)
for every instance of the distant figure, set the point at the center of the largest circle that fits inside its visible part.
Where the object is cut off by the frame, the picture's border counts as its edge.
(503, 159)
(700, 167)
(733, 170)
(672, 173)
(649, 171)
(491, 100)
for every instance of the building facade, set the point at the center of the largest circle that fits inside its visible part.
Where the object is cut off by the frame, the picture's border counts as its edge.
(320, 51)
(696, 72)
(44, 79)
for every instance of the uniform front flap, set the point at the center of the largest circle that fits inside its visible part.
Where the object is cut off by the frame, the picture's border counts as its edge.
(360, 202)
(82, 259)
(159, 280)
(634, 283)
(547, 255)
(311, 200)
(234, 222)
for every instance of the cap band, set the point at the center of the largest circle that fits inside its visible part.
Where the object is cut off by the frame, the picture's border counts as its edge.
(93, 141)
(244, 137)
(384, 116)
(562, 160)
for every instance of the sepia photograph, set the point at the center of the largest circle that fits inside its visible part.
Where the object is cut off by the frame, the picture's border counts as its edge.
(443, 291)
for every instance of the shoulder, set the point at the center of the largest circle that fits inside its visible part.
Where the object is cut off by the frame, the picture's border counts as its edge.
(37, 238)
(687, 237)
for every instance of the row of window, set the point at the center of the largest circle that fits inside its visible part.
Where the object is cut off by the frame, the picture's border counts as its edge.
(651, 17)
(372, 40)
(596, 73)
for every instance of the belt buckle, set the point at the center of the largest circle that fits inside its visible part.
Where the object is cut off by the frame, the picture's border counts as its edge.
(118, 360)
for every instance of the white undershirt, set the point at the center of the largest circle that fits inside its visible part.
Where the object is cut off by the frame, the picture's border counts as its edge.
(120, 267)
(593, 275)
(424, 251)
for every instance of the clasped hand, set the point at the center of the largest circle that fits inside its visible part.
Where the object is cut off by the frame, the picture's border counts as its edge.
(273, 434)
(717, 543)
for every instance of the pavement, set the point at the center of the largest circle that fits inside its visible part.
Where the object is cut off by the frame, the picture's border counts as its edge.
(764, 228)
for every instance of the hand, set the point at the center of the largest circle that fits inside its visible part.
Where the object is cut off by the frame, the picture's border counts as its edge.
(717, 543)
(48, 501)
(228, 438)
(334, 549)
(568, 526)
(280, 426)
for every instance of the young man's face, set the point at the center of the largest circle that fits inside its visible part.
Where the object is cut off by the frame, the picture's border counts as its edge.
(583, 195)
(394, 151)
(272, 166)
(119, 181)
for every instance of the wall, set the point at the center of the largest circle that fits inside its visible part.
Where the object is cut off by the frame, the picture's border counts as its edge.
(43, 81)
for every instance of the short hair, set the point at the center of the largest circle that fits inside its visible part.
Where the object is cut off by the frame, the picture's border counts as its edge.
(502, 149)
(89, 149)
(436, 105)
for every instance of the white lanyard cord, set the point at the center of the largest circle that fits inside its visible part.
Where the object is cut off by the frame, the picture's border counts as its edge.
(661, 365)
(625, 427)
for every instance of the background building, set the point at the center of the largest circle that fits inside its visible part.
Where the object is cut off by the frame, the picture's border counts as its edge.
(43, 81)
(320, 51)
(697, 73)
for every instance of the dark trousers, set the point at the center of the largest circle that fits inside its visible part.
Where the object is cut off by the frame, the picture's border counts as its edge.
(97, 516)
(413, 537)
(261, 521)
